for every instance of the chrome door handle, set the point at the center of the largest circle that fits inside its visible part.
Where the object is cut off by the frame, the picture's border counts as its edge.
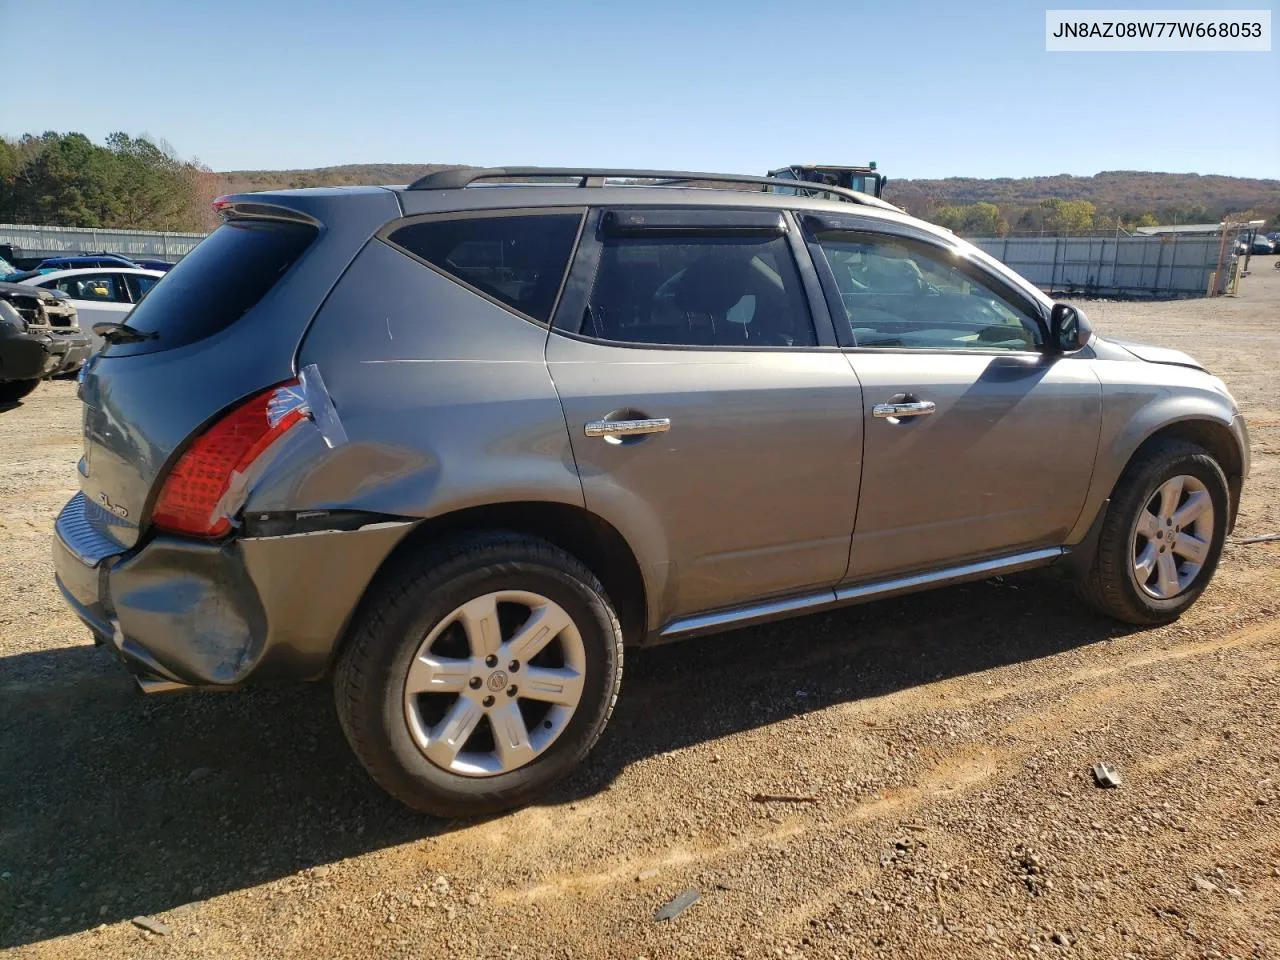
(893, 411)
(627, 428)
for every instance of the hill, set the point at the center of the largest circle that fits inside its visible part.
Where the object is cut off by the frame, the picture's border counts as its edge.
(1121, 193)
(246, 181)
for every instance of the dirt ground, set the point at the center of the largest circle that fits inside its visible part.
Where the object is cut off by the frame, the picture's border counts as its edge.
(936, 749)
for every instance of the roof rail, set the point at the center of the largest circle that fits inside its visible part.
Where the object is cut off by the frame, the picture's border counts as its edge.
(596, 177)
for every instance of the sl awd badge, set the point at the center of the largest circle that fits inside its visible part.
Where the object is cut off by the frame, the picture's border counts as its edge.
(119, 511)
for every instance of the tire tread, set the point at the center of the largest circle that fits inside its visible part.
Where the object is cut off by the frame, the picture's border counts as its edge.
(1106, 587)
(419, 575)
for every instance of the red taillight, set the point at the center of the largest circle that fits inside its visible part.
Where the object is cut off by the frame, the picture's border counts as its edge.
(191, 500)
(222, 203)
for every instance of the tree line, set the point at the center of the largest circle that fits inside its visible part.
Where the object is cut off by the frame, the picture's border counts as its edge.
(65, 179)
(1057, 217)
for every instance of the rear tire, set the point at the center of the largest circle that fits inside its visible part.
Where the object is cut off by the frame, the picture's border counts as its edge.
(13, 390)
(1162, 535)
(425, 711)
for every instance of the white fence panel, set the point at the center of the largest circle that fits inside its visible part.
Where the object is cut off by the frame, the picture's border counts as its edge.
(1161, 266)
(38, 241)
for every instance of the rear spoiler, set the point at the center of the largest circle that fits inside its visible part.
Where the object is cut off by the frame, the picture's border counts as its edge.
(237, 208)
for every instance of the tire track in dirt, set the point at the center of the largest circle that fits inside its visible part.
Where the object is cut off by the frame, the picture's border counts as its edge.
(951, 774)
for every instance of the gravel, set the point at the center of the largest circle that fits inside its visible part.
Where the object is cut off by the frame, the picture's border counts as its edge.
(943, 740)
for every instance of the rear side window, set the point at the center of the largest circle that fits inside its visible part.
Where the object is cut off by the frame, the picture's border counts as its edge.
(518, 260)
(220, 280)
(710, 291)
(139, 284)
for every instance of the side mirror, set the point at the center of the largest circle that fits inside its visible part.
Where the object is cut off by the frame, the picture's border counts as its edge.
(1069, 329)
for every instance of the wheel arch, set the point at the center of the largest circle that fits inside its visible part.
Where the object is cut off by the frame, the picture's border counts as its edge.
(1216, 435)
(584, 535)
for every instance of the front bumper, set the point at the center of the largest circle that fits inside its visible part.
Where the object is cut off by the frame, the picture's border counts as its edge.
(217, 614)
(72, 349)
(25, 356)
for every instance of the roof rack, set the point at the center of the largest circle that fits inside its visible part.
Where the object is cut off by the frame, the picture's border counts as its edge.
(596, 177)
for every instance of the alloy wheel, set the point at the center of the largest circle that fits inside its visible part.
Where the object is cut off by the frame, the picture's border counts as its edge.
(495, 683)
(1172, 536)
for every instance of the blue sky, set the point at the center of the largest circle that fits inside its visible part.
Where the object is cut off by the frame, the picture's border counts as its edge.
(927, 89)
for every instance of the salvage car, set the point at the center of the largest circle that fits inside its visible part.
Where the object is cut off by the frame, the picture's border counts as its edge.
(455, 447)
(45, 313)
(99, 295)
(26, 356)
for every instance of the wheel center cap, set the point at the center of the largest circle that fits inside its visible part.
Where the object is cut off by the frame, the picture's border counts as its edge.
(497, 680)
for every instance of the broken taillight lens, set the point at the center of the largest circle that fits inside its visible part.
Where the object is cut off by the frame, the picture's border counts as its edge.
(193, 500)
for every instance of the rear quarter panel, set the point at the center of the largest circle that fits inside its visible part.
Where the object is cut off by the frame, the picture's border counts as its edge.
(444, 397)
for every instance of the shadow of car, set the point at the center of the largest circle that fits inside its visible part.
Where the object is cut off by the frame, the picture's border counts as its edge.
(120, 804)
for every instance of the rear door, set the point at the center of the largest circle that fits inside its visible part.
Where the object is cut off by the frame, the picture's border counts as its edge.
(711, 420)
(978, 442)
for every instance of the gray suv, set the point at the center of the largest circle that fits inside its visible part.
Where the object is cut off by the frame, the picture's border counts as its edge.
(457, 444)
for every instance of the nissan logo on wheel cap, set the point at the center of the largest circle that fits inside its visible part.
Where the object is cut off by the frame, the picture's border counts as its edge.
(497, 680)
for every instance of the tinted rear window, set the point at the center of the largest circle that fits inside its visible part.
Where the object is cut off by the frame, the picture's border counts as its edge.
(219, 281)
(516, 260)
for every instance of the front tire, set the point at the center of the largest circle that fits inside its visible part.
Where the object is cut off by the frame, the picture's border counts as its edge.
(14, 390)
(479, 674)
(1162, 535)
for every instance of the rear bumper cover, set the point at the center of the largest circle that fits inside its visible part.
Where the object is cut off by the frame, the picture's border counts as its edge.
(217, 614)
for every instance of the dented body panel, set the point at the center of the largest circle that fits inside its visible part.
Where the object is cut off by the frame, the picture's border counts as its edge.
(476, 418)
(143, 406)
(424, 397)
(214, 614)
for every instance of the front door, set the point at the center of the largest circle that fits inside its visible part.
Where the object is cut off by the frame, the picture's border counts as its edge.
(977, 443)
(708, 421)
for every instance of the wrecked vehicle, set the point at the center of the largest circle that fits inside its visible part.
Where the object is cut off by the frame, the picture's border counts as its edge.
(48, 319)
(454, 446)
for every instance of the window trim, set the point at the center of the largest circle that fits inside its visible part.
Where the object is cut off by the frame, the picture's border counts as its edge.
(933, 250)
(586, 264)
(136, 278)
(384, 235)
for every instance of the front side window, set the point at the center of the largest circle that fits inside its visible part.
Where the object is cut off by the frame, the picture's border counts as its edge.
(901, 295)
(706, 291)
(518, 260)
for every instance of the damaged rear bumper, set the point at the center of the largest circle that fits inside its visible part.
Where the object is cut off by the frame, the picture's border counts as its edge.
(221, 614)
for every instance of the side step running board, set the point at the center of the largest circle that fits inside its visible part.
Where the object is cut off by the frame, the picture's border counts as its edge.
(858, 593)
